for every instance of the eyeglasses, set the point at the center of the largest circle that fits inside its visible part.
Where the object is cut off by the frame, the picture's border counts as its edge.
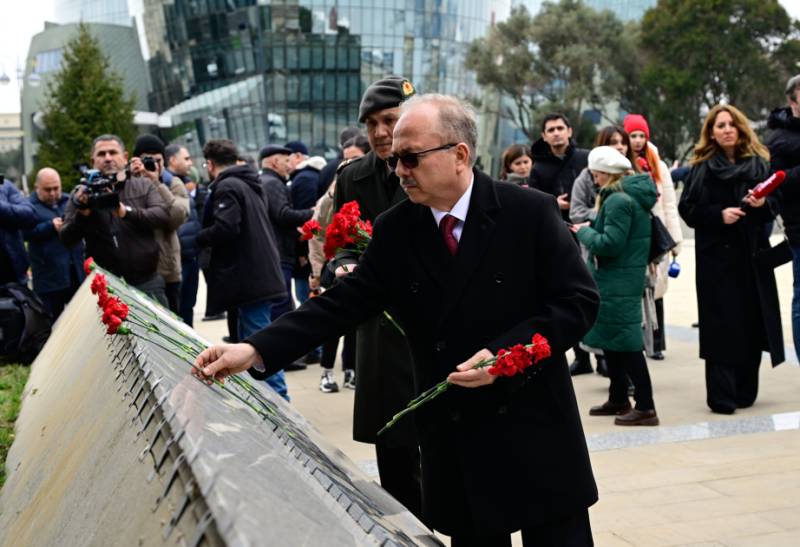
(410, 160)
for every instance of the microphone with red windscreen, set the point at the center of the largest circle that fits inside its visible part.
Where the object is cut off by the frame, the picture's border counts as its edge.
(763, 189)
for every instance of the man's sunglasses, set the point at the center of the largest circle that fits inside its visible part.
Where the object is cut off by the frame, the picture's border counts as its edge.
(410, 160)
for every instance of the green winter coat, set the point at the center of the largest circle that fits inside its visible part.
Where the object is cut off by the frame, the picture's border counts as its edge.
(619, 245)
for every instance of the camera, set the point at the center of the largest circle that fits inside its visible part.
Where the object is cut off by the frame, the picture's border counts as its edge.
(149, 163)
(100, 189)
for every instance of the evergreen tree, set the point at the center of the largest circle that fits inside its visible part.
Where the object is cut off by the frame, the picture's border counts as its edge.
(85, 99)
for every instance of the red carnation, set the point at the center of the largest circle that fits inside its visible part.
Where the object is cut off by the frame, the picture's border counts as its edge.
(113, 324)
(511, 362)
(540, 348)
(99, 284)
(310, 229)
(88, 265)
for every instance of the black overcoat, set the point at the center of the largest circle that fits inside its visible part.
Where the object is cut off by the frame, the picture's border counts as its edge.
(498, 457)
(737, 298)
(384, 381)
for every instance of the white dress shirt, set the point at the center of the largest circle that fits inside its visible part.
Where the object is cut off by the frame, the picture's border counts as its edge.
(459, 211)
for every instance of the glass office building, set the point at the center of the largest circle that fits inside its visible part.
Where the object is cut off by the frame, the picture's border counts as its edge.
(113, 12)
(257, 71)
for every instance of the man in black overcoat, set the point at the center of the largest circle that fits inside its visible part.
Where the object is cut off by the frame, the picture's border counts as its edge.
(467, 266)
(384, 381)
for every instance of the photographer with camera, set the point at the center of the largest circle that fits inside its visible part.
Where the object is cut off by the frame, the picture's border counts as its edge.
(117, 214)
(148, 162)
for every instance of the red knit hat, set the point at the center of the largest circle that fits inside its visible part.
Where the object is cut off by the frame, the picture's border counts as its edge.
(636, 122)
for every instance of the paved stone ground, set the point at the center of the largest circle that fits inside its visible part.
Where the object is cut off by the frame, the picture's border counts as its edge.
(699, 479)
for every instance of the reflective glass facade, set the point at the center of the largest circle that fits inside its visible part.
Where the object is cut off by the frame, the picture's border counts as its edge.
(257, 71)
(114, 12)
(627, 10)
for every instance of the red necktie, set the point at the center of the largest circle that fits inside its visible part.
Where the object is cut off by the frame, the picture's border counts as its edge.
(446, 226)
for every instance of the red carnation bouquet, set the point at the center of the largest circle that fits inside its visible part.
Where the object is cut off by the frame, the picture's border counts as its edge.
(508, 362)
(345, 230)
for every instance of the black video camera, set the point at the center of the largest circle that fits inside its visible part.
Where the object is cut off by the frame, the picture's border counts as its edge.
(100, 189)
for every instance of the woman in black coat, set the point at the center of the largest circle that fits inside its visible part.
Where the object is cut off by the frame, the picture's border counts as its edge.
(737, 298)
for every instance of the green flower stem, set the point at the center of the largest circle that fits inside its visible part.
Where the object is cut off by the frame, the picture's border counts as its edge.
(150, 327)
(434, 392)
(393, 322)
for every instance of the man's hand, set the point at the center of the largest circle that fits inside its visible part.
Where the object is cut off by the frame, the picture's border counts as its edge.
(223, 360)
(138, 170)
(345, 269)
(82, 197)
(469, 376)
(563, 201)
(58, 223)
(121, 210)
(732, 215)
(313, 282)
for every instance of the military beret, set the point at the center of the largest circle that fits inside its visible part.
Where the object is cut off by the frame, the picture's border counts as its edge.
(271, 150)
(387, 93)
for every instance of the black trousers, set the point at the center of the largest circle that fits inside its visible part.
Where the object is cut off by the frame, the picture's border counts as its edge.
(173, 292)
(572, 531)
(330, 347)
(732, 385)
(659, 339)
(632, 364)
(399, 470)
(232, 316)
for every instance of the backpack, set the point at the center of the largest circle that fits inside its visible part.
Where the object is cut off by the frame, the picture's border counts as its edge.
(25, 323)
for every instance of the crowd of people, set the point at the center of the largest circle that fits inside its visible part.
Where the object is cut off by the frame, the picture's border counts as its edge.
(577, 267)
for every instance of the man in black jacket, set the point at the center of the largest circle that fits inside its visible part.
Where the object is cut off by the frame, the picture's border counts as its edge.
(783, 142)
(556, 165)
(244, 269)
(467, 266)
(122, 241)
(285, 219)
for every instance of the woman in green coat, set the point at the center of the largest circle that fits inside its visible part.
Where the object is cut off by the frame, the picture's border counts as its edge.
(619, 244)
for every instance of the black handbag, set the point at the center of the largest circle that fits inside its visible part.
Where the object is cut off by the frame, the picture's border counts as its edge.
(660, 241)
(772, 257)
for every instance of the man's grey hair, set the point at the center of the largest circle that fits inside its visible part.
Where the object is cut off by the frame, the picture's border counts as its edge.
(108, 137)
(456, 119)
(792, 85)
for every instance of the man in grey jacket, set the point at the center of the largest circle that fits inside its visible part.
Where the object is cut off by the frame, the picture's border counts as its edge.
(174, 194)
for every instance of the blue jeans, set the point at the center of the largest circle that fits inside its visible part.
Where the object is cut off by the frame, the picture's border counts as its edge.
(796, 300)
(253, 318)
(301, 289)
(190, 278)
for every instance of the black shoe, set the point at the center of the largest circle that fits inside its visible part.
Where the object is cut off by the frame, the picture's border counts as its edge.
(657, 356)
(228, 340)
(722, 409)
(602, 367)
(312, 358)
(296, 365)
(580, 367)
(216, 317)
(696, 325)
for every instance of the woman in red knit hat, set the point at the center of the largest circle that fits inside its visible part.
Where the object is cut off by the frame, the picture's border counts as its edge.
(666, 209)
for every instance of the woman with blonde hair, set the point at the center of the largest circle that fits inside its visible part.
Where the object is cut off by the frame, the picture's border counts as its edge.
(737, 298)
(619, 245)
(666, 209)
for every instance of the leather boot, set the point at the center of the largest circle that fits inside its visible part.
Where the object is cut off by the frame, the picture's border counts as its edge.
(579, 366)
(637, 417)
(610, 409)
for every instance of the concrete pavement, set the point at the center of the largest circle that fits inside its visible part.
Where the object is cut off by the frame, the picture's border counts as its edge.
(699, 479)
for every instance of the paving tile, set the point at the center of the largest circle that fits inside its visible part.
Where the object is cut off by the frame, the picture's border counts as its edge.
(780, 539)
(788, 519)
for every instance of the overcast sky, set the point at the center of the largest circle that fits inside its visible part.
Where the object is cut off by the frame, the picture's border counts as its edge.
(26, 18)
